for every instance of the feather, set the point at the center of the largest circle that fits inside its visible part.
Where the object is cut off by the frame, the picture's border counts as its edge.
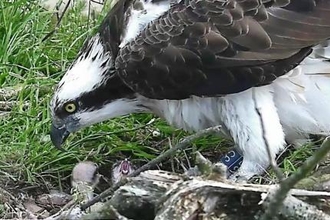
(228, 37)
(198, 63)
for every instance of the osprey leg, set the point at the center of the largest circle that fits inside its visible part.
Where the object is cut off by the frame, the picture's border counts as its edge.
(241, 118)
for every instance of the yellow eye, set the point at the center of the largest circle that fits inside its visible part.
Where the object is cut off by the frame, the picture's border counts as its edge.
(70, 107)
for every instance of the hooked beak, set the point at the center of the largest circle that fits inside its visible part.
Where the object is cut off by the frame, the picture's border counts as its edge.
(58, 135)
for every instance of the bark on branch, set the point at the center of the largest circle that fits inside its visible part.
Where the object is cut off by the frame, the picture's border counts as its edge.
(162, 195)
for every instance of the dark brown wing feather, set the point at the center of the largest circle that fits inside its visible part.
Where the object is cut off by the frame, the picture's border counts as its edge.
(111, 27)
(218, 47)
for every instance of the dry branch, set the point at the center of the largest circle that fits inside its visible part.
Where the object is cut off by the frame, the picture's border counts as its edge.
(155, 194)
(287, 184)
(58, 22)
(180, 146)
(162, 195)
(9, 93)
(294, 208)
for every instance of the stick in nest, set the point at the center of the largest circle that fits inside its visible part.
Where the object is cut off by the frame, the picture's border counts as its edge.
(180, 146)
(58, 22)
(286, 185)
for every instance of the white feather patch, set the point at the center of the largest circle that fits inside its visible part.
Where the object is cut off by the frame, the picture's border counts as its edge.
(240, 121)
(85, 73)
(140, 18)
(302, 97)
(111, 110)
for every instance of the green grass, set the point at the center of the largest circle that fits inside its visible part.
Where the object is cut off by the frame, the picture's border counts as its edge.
(27, 155)
(26, 152)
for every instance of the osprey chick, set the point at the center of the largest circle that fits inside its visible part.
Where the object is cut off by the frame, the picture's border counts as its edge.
(198, 63)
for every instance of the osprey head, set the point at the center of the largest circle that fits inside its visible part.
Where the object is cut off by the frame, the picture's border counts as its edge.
(89, 92)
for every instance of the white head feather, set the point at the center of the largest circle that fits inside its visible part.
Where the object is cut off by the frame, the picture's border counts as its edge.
(86, 72)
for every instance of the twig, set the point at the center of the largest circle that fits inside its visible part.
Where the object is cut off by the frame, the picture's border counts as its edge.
(58, 22)
(272, 161)
(172, 156)
(180, 146)
(303, 193)
(9, 105)
(5, 193)
(62, 212)
(9, 93)
(288, 184)
(294, 208)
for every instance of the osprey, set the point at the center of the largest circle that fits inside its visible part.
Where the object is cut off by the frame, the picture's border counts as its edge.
(203, 63)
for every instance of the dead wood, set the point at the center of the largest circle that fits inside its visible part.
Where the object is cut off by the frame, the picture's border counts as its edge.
(162, 195)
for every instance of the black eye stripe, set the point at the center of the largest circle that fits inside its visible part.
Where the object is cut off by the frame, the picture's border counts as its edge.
(110, 90)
